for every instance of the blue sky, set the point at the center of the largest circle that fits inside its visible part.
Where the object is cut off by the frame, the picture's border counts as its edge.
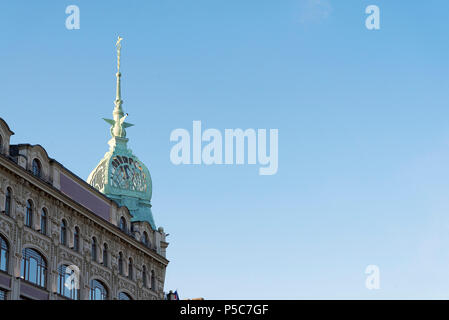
(363, 125)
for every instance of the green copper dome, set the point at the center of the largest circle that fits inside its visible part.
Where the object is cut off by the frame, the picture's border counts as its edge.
(120, 175)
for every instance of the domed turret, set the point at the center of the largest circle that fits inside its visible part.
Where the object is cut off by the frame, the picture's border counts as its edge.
(120, 175)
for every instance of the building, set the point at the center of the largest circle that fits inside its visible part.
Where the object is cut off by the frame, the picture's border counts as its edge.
(64, 238)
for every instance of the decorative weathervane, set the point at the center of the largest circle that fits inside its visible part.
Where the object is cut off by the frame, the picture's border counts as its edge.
(119, 48)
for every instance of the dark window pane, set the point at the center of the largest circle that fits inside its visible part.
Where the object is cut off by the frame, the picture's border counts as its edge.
(130, 269)
(123, 224)
(144, 276)
(120, 264)
(153, 281)
(43, 222)
(36, 167)
(29, 214)
(8, 202)
(105, 255)
(63, 233)
(76, 239)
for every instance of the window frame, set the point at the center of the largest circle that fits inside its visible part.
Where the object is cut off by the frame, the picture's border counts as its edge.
(94, 250)
(145, 239)
(62, 290)
(105, 255)
(36, 167)
(3, 294)
(120, 264)
(63, 232)
(76, 239)
(123, 225)
(44, 220)
(8, 200)
(153, 280)
(41, 267)
(144, 276)
(4, 252)
(29, 213)
(98, 284)
(130, 269)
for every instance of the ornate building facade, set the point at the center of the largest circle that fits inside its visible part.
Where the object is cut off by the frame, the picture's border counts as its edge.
(64, 238)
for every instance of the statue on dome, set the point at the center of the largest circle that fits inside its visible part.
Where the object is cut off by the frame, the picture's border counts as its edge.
(118, 129)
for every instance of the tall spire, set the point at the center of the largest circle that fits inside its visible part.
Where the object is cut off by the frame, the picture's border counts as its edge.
(118, 123)
(120, 175)
(118, 101)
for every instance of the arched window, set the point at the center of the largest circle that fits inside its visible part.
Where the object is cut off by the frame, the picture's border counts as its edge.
(123, 224)
(44, 221)
(29, 214)
(34, 267)
(76, 239)
(8, 202)
(1, 144)
(153, 281)
(94, 249)
(105, 255)
(130, 269)
(120, 263)
(36, 167)
(144, 276)
(124, 296)
(145, 239)
(4, 254)
(98, 290)
(67, 282)
(63, 232)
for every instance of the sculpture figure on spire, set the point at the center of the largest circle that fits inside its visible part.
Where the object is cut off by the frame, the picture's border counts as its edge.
(118, 130)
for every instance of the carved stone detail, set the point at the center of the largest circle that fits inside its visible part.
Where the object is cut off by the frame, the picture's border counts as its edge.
(31, 238)
(6, 228)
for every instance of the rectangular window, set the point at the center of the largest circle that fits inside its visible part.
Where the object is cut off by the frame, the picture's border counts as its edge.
(3, 260)
(3, 294)
(33, 267)
(66, 289)
(43, 225)
(7, 207)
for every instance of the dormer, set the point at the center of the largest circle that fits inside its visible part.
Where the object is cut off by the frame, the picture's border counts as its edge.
(32, 158)
(123, 219)
(145, 234)
(5, 136)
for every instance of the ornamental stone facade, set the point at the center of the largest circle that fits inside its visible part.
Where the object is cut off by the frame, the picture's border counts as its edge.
(64, 238)
(64, 196)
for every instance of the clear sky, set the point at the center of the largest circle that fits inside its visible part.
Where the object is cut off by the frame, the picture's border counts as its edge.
(363, 123)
